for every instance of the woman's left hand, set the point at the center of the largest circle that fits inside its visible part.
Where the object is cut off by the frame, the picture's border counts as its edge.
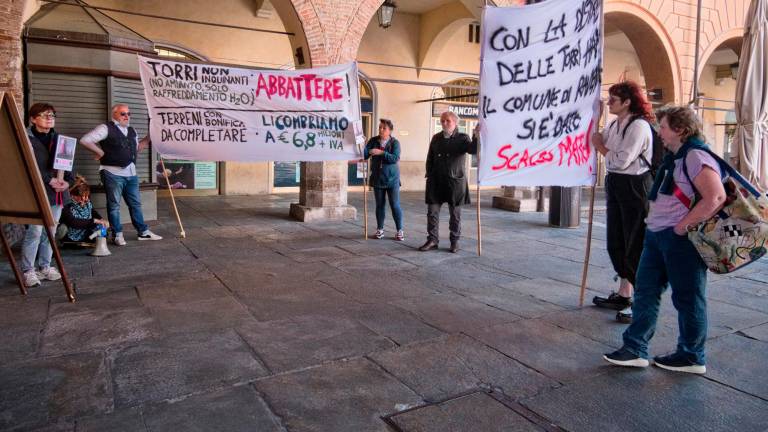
(377, 152)
(680, 230)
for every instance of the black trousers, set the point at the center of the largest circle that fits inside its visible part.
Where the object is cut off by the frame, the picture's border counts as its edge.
(433, 222)
(627, 208)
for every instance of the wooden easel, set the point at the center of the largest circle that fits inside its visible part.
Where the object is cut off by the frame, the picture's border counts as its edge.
(22, 194)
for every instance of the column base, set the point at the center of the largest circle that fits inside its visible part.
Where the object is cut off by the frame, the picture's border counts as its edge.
(516, 204)
(316, 214)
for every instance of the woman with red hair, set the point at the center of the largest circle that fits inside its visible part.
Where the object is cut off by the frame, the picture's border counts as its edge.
(627, 145)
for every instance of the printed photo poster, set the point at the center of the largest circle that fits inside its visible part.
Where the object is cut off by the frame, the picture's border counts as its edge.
(212, 112)
(65, 153)
(540, 84)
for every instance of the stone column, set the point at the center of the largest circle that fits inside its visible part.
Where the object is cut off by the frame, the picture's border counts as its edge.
(517, 199)
(323, 194)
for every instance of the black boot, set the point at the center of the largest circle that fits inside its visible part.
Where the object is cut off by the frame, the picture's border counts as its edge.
(454, 246)
(429, 245)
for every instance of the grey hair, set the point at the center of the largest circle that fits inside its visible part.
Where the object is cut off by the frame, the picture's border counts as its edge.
(450, 114)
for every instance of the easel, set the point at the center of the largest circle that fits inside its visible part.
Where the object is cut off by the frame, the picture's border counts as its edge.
(22, 194)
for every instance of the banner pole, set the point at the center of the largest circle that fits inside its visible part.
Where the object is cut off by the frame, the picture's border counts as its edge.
(365, 202)
(589, 246)
(479, 227)
(173, 199)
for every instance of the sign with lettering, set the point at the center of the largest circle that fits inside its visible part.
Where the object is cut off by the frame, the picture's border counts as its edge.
(540, 93)
(210, 112)
(463, 111)
(65, 153)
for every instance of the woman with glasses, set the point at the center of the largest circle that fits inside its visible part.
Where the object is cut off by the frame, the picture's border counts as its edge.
(384, 151)
(36, 245)
(627, 145)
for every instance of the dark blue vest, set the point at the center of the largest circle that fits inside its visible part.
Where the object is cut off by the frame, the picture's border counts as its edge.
(119, 150)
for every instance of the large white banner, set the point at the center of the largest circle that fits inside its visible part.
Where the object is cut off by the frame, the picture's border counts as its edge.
(214, 112)
(540, 93)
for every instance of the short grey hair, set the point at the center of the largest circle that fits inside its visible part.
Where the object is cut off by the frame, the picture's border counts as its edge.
(450, 114)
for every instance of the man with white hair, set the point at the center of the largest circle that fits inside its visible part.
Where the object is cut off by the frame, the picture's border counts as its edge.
(116, 145)
(446, 180)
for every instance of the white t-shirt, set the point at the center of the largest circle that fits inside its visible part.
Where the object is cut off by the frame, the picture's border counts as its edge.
(623, 155)
(98, 134)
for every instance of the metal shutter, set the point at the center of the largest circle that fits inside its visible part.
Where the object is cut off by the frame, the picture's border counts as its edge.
(80, 102)
(131, 92)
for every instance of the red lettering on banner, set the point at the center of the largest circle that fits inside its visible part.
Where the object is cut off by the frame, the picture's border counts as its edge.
(517, 161)
(315, 87)
(576, 149)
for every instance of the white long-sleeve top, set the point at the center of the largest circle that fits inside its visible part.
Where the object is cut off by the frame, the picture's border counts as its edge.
(623, 155)
(98, 134)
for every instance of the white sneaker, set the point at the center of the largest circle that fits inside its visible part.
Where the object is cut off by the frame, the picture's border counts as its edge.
(119, 240)
(379, 234)
(49, 273)
(149, 235)
(400, 236)
(30, 279)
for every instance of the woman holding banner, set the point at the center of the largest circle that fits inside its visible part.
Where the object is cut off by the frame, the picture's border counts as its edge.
(36, 245)
(668, 256)
(384, 151)
(627, 145)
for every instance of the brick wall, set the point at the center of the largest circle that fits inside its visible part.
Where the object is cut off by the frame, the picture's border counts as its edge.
(10, 47)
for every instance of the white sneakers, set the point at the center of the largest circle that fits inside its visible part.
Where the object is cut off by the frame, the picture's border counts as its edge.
(32, 278)
(119, 240)
(149, 235)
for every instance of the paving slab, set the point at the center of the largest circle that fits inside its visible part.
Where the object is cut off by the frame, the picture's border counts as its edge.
(556, 292)
(76, 332)
(524, 305)
(17, 310)
(119, 299)
(443, 368)
(287, 302)
(464, 277)
(653, 400)
(739, 362)
(454, 313)
(178, 365)
(310, 340)
(557, 353)
(398, 325)
(237, 409)
(740, 292)
(124, 420)
(759, 332)
(475, 412)
(181, 292)
(34, 393)
(215, 313)
(379, 285)
(349, 396)
(365, 264)
(18, 342)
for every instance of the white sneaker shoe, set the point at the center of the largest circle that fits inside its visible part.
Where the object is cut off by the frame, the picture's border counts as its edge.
(149, 235)
(30, 279)
(119, 240)
(49, 273)
(379, 234)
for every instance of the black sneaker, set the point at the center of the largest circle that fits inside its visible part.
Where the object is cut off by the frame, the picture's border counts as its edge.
(679, 363)
(613, 301)
(622, 357)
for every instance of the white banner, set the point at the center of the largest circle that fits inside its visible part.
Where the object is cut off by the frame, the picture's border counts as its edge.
(540, 93)
(212, 112)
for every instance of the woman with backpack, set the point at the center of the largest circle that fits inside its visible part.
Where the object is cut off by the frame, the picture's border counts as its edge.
(627, 145)
(687, 191)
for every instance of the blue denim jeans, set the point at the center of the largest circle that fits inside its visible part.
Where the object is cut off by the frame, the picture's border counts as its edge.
(118, 187)
(36, 244)
(668, 258)
(394, 203)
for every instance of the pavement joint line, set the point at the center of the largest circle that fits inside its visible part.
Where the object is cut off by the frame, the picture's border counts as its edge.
(393, 376)
(524, 411)
(270, 409)
(744, 335)
(713, 380)
(254, 353)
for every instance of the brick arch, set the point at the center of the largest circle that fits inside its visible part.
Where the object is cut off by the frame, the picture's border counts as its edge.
(653, 45)
(334, 28)
(731, 38)
(10, 48)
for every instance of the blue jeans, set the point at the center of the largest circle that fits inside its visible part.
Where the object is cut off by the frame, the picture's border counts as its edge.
(118, 187)
(394, 203)
(37, 245)
(668, 258)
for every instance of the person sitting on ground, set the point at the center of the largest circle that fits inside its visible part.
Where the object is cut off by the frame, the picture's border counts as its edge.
(79, 216)
(668, 255)
(384, 151)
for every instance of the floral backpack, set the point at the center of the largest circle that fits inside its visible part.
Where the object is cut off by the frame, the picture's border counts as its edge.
(737, 234)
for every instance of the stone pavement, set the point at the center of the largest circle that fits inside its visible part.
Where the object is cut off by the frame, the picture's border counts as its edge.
(255, 322)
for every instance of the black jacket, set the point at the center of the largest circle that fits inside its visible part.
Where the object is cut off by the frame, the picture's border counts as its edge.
(446, 159)
(44, 157)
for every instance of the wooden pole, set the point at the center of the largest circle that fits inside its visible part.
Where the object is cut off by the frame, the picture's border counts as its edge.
(589, 246)
(14, 265)
(60, 263)
(365, 202)
(173, 200)
(479, 228)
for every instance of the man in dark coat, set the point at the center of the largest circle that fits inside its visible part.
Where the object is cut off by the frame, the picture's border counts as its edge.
(446, 179)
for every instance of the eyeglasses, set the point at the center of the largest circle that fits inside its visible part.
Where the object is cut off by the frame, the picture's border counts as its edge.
(125, 114)
(48, 116)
